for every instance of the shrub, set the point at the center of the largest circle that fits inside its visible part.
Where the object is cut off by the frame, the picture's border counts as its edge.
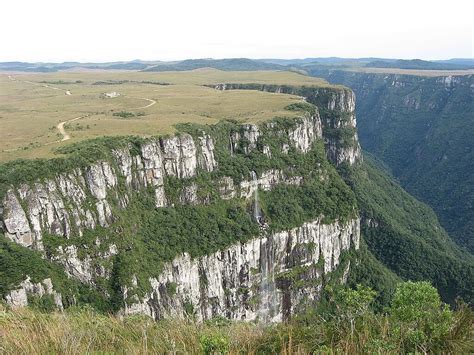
(126, 114)
(214, 344)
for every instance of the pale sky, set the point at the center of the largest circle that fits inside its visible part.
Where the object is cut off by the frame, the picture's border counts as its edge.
(114, 30)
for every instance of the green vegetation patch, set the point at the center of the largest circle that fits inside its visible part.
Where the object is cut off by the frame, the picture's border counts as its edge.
(18, 262)
(127, 115)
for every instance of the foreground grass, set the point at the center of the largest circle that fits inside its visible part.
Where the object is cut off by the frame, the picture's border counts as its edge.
(415, 322)
(84, 331)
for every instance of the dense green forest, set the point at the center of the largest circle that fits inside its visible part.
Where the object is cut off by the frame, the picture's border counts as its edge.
(404, 234)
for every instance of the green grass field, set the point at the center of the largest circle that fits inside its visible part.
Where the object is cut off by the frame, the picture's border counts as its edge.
(33, 105)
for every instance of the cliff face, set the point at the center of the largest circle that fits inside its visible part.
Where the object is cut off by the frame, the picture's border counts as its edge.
(267, 276)
(19, 297)
(85, 192)
(422, 128)
(336, 109)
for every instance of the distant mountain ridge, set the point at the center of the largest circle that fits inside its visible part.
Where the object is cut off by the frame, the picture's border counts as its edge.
(420, 64)
(245, 64)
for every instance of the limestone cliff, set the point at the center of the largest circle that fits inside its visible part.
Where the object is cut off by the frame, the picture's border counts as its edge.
(19, 296)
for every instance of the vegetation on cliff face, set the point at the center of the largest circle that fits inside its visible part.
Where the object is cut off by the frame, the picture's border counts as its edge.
(147, 237)
(346, 322)
(17, 262)
(422, 129)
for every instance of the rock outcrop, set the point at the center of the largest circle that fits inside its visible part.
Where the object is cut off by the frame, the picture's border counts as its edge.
(19, 296)
(265, 182)
(14, 220)
(206, 159)
(306, 132)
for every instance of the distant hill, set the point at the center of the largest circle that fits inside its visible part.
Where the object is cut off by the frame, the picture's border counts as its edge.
(55, 67)
(128, 66)
(26, 67)
(460, 61)
(323, 61)
(233, 64)
(420, 64)
(287, 61)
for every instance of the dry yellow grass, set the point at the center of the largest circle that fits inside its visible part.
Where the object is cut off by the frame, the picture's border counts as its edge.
(80, 331)
(30, 109)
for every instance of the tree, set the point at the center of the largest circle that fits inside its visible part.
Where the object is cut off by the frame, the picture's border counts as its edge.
(419, 316)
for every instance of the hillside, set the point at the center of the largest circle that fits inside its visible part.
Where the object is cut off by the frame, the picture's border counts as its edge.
(405, 235)
(421, 128)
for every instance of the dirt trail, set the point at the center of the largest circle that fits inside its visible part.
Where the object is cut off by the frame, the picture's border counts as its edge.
(152, 102)
(63, 131)
(61, 125)
(67, 92)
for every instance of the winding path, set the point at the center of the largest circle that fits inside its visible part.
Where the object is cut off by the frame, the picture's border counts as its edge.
(61, 125)
(152, 102)
(63, 131)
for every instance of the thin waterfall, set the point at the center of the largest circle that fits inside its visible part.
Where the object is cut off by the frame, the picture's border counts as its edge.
(267, 284)
(256, 207)
(268, 295)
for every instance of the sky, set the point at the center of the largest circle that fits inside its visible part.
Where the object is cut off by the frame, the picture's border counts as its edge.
(104, 30)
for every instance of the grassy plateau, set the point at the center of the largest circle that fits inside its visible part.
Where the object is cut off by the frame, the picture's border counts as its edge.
(39, 111)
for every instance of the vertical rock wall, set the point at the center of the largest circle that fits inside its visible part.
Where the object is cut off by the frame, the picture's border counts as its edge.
(267, 278)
